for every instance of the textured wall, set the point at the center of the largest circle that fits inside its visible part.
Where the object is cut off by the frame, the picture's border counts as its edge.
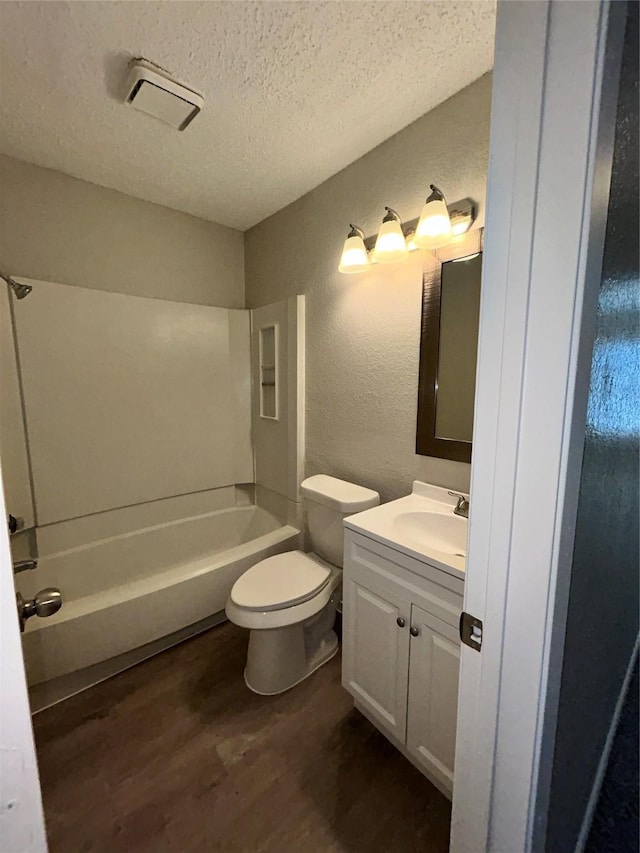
(602, 620)
(363, 332)
(57, 228)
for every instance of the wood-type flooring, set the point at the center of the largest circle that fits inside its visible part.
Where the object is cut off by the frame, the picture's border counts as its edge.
(177, 754)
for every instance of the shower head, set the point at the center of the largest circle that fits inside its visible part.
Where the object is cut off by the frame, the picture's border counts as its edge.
(20, 290)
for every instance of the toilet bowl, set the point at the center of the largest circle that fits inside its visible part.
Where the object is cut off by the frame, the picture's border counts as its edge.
(288, 601)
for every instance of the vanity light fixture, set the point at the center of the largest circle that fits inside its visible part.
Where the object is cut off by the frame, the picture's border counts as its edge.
(461, 219)
(438, 226)
(434, 226)
(391, 245)
(354, 253)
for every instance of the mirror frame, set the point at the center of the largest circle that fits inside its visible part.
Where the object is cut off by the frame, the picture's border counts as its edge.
(427, 442)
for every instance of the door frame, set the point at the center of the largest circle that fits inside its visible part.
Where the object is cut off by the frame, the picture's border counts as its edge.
(552, 131)
(21, 816)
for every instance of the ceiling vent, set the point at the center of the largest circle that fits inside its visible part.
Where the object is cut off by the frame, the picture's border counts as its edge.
(151, 90)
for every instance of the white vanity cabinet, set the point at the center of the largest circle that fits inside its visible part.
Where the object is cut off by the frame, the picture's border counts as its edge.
(401, 650)
(432, 705)
(376, 650)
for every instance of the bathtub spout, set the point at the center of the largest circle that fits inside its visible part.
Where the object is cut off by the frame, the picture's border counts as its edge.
(24, 566)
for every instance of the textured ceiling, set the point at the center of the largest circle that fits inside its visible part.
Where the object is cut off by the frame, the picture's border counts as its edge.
(294, 91)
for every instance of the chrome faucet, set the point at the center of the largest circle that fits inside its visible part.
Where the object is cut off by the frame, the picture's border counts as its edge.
(462, 507)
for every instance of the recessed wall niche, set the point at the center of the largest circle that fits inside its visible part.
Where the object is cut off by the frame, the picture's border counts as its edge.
(269, 372)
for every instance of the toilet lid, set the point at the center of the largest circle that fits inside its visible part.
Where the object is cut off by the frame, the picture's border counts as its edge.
(281, 581)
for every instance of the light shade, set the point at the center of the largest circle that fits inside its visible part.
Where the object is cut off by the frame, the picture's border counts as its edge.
(434, 226)
(354, 253)
(391, 245)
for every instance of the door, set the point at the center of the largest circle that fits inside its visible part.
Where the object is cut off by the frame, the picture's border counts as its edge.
(376, 651)
(21, 817)
(434, 665)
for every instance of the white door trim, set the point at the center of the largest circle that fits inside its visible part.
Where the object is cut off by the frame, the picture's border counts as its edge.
(554, 95)
(21, 817)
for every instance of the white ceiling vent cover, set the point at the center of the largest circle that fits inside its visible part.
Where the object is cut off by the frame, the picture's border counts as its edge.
(153, 92)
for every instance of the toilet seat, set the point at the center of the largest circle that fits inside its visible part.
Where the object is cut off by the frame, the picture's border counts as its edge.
(282, 581)
(281, 615)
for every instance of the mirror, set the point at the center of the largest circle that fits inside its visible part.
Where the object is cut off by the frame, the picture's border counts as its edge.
(448, 355)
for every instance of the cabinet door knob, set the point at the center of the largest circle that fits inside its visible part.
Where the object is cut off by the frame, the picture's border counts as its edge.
(415, 632)
(400, 622)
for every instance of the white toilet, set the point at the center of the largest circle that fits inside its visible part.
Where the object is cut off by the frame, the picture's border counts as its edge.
(289, 601)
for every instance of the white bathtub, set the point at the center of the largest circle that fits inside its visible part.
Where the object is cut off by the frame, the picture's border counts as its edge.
(129, 590)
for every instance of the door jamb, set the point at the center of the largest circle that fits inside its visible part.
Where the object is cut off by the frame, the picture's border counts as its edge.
(554, 95)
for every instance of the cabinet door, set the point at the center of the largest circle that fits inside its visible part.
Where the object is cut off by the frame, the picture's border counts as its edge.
(433, 695)
(375, 651)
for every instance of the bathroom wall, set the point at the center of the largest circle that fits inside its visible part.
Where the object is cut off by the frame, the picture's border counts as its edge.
(602, 620)
(363, 331)
(57, 228)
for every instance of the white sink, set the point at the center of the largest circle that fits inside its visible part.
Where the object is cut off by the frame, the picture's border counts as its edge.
(434, 530)
(422, 525)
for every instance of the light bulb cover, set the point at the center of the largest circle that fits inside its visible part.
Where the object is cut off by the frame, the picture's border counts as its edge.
(354, 253)
(391, 245)
(434, 226)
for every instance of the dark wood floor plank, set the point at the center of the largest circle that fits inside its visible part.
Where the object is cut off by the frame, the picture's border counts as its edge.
(177, 754)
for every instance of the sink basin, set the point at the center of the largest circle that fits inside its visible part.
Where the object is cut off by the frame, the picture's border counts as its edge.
(445, 533)
(421, 525)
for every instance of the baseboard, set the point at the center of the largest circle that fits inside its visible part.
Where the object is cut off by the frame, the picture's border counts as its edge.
(604, 758)
(48, 693)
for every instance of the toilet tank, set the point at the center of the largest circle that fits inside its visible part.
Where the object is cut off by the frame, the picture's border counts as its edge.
(327, 501)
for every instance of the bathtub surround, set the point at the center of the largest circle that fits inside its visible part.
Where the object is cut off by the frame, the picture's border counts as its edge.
(240, 404)
(111, 383)
(16, 475)
(58, 228)
(78, 532)
(363, 333)
(279, 443)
